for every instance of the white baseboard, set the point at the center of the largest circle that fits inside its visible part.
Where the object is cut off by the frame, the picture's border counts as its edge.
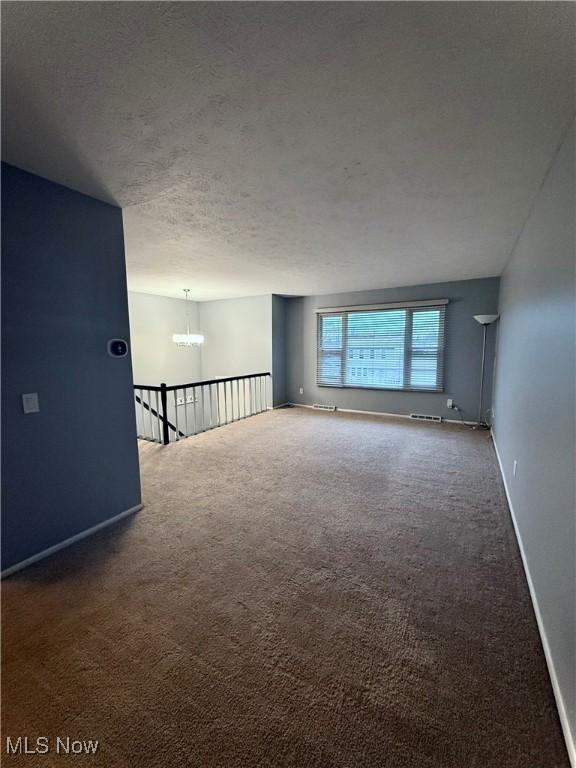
(568, 735)
(67, 542)
(383, 413)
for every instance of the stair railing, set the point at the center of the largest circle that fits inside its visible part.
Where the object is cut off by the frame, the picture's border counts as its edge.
(166, 414)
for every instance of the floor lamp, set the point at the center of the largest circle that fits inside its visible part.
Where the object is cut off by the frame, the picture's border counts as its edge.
(485, 321)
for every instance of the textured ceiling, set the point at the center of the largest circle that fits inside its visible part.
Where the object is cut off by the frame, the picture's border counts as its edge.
(294, 148)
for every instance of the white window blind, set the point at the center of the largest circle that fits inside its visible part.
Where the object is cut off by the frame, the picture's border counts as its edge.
(389, 347)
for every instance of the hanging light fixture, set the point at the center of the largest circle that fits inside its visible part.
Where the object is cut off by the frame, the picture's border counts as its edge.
(187, 339)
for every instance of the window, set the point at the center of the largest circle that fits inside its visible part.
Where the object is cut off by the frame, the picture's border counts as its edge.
(401, 346)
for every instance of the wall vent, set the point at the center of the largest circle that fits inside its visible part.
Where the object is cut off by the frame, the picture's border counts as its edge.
(324, 407)
(425, 417)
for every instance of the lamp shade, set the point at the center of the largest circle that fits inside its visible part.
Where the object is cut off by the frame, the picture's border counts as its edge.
(486, 319)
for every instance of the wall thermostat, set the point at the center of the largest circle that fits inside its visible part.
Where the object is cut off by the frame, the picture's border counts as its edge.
(117, 348)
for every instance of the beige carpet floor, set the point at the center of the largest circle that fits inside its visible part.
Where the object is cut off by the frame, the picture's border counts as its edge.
(301, 589)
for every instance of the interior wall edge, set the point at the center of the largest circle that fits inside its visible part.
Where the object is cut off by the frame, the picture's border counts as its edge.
(69, 541)
(562, 712)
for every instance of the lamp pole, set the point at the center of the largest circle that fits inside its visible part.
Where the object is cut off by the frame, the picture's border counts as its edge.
(479, 420)
(485, 321)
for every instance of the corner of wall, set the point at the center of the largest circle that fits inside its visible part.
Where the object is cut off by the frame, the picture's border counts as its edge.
(548, 655)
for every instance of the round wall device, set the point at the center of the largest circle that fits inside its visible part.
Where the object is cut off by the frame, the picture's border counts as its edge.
(117, 348)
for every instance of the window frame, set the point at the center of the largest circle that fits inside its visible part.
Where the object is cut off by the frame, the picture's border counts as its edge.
(410, 354)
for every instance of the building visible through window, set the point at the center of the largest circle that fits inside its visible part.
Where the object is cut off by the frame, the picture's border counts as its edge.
(400, 348)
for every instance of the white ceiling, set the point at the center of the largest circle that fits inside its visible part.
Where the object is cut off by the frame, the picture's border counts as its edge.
(294, 148)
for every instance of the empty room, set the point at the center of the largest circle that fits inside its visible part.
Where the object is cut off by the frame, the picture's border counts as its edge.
(288, 384)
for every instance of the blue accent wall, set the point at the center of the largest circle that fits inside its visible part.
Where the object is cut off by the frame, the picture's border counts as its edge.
(462, 359)
(74, 464)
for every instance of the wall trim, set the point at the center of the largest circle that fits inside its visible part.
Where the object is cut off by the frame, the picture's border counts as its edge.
(388, 305)
(67, 542)
(563, 715)
(383, 413)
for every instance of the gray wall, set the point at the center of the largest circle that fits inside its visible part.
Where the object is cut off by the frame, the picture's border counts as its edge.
(74, 464)
(279, 309)
(463, 350)
(155, 357)
(534, 409)
(238, 336)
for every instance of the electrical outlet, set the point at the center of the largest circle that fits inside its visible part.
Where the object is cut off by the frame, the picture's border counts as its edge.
(514, 468)
(301, 390)
(449, 403)
(189, 400)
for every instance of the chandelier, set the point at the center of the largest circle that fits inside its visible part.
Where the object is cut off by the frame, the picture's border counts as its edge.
(187, 339)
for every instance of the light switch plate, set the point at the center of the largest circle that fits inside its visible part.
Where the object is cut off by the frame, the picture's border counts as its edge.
(30, 403)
